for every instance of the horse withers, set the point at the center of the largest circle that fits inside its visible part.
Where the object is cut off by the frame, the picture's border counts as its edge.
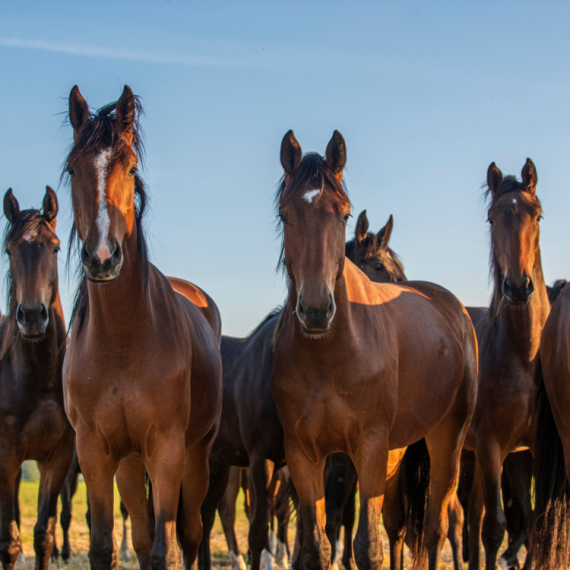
(143, 378)
(33, 424)
(414, 377)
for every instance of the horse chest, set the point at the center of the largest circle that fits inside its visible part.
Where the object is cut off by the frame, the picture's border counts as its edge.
(35, 429)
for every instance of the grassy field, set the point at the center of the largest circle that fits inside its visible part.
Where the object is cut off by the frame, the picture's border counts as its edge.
(79, 535)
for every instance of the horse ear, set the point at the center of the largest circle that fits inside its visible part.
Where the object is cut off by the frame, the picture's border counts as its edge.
(494, 178)
(50, 206)
(291, 155)
(126, 111)
(385, 233)
(529, 177)
(11, 206)
(336, 154)
(78, 109)
(361, 227)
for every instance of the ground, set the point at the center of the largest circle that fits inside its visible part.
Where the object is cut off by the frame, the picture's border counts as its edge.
(79, 535)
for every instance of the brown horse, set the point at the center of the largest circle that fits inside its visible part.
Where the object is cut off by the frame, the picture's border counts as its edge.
(143, 370)
(360, 367)
(33, 424)
(509, 338)
(550, 539)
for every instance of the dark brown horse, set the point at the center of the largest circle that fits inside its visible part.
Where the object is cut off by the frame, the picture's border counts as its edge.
(33, 424)
(509, 338)
(360, 367)
(550, 539)
(142, 373)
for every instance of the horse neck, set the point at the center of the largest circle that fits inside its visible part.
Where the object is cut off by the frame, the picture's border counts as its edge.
(117, 307)
(40, 361)
(522, 326)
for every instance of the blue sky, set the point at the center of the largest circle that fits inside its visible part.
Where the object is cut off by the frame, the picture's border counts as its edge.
(426, 94)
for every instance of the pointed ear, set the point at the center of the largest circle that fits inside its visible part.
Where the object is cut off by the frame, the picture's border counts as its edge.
(385, 233)
(494, 178)
(291, 155)
(126, 111)
(78, 109)
(336, 154)
(50, 206)
(361, 227)
(529, 177)
(11, 206)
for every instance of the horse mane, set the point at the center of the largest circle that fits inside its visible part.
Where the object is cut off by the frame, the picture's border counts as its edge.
(274, 312)
(31, 221)
(510, 184)
(102, 129)
(313, 172)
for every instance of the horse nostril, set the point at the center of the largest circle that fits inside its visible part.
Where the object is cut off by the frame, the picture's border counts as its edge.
(85, 257)
(115, 252)
(330, 309)
(43, 313)
(300, 308)
(20, 314)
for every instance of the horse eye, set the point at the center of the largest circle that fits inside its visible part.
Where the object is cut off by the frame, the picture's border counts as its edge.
(345, 218)
(491, 222)
(70, 171)
(539, 218)
(283, 218)
(133, 171)
(378, 266)
(56, 249)
(8, 253)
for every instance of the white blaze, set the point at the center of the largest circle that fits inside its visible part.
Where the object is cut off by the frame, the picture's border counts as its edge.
(514, 201)
(101, 164)
(310, 195)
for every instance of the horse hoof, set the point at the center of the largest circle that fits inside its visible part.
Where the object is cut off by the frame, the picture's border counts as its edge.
(281, 558)
(267, 560)
(507, 564)
(21, 561)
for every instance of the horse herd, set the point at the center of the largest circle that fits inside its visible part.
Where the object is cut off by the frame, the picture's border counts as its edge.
(442, 415)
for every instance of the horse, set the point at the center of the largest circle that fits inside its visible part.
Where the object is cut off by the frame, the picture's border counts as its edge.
(414, 377)
(550, 536)
(33, 423)
(250, 431)
(142, 373)
(509, 338)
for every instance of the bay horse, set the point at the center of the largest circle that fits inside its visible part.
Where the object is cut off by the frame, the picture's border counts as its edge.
(360, 367)
(550, 537)
(33, 337)
(250, 431)
(142, 374)
(509, 338)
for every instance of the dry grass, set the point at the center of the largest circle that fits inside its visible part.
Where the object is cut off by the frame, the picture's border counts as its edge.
(79, 535)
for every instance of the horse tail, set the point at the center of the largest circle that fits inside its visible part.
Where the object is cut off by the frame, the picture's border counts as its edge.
(550, 535)
(415, 484)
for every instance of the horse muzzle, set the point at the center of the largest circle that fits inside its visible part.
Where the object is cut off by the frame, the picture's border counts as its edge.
(518, 294)
(105, 271)
(316, 319)
(32, 322)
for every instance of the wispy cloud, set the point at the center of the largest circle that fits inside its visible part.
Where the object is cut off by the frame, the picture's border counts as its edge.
(121, 54)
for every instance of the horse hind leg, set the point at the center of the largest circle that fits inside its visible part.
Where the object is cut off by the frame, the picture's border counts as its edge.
(454, 534)
(125, 550)
(227, 512)
(10, 540)
(394, 516)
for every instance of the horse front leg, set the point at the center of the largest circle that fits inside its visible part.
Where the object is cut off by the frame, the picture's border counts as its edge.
(10, 540)
(52, 477)
(308, 477)
(489, 460)
(132, 488)
(98, 468)
(371, 464)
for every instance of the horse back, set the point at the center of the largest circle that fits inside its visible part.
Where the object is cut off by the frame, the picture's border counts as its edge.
(201, 300)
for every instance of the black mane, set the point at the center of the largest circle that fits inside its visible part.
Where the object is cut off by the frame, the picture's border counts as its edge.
(102, 129)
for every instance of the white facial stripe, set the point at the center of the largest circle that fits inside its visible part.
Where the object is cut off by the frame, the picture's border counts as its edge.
(29, 236)
(310, 195)
(103, 223)
(515, 201)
